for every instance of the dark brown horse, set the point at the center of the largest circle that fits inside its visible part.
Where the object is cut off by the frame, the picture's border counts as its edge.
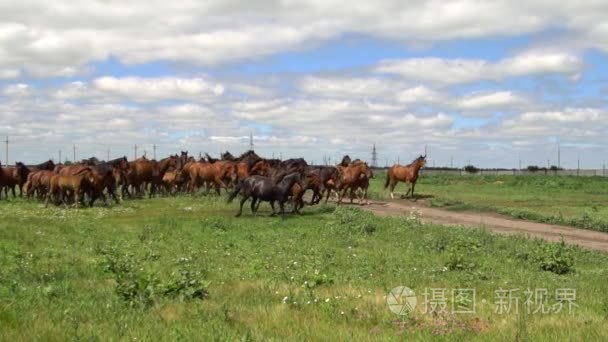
(407, 174)
(261, 188)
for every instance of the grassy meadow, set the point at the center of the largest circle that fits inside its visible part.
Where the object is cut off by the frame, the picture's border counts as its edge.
(185, 268)
(568, 200)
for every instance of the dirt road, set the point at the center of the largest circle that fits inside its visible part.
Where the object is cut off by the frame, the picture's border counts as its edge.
(493, 222)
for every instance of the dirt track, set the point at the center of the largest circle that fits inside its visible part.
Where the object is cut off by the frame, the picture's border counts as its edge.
(493, 222)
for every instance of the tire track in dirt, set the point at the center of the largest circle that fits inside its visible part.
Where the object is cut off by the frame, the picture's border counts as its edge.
(493, 222)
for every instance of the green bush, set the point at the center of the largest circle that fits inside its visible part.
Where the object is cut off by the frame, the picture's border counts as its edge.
(556, 258)
(354, 220)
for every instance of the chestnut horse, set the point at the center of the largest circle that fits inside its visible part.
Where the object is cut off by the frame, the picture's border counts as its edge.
(407, 174)
(353, 177)
(216, 173)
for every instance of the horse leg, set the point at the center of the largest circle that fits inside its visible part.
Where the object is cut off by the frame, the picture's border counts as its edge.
(413, 186)
(253, 203)
(341, 195)
(243, 200)
(77, 197)
(408, 191)
(282, 206)
(257, 206)
(392, 185)
(273, 211)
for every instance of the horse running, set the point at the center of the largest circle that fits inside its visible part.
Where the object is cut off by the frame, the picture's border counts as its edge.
(407, 174)
(267, 189)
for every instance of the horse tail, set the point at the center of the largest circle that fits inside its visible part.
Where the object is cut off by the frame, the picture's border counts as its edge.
(236, 191)
(388, 177)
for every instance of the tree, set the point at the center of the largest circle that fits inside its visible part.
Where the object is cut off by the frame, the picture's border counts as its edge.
(471, 169)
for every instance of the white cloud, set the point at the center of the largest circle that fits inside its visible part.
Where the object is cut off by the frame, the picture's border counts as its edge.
(63, 37)
(158, 88)
(346, 87)
(455, 71)
(19, 89)
(419, 94)
(496, 100)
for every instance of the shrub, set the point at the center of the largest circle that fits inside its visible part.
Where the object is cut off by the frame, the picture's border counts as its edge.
(555, 257)
(471, 169)
(140, 288)
(354, 220)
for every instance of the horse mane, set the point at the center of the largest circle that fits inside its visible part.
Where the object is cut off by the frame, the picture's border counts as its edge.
(345, 160)
(210, 158)
(248, 154)
(249, 158)
(227, 156)
(417, 160)
(273, 162)
(297, 162)
(47, 165)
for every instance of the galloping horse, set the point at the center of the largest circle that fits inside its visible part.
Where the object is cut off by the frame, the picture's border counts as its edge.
(216, 173)
(265, 189)
(352, 177)
(407, 174)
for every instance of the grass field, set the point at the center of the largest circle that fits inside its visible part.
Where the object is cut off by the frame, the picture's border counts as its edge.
(576, 201)
(184, 267)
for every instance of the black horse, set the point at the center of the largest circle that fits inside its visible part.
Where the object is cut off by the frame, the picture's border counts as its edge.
(267, 189)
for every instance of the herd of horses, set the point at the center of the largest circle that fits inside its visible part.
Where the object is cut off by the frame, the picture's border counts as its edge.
(248, 175)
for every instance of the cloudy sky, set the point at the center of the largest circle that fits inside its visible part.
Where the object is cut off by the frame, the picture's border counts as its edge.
(490, 82)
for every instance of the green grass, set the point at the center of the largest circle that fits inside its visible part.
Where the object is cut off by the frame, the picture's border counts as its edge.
(575, 201)
(185, 268)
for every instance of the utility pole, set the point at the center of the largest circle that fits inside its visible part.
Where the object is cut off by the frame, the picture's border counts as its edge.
(281, 155)
(520, 163)
(154, 148)
(107, 154)
(398, 159)
(135, 152)
(6, 142)
(451, 162)
(425, 150)
(74, 153)
(374, 156)
(60, 156)
(251, 141)
(559, 156)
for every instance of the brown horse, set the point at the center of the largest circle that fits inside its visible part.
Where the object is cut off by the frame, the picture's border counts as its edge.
(7, 180)
(38, 182)
(215, 173)
(407, 174)
(63, 186)
(352, 177)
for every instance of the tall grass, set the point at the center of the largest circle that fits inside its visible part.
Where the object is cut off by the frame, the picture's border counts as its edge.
(185, 268)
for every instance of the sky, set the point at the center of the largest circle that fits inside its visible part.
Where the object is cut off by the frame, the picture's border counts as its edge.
(491, 83)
